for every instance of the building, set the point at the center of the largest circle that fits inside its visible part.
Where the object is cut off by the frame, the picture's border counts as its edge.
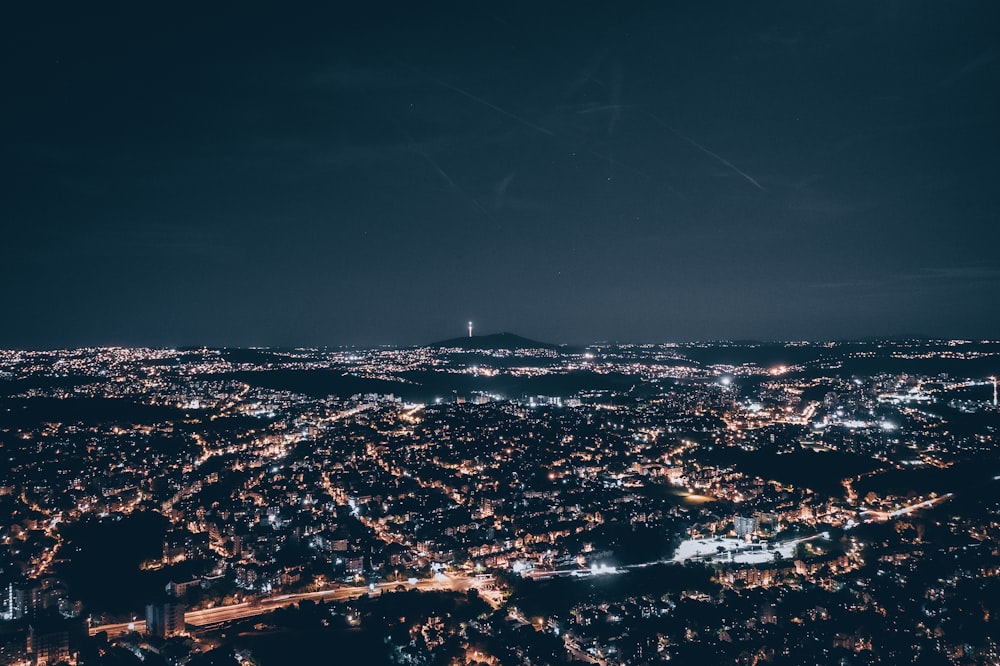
(14, 606)
(745, 526)
(48, 645)
(165, 620)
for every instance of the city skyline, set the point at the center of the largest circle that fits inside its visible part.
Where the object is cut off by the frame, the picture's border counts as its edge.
(495, 501)
(332, 176)
(499, 335)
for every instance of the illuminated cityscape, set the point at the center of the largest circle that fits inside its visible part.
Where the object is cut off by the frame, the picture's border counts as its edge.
(495, 500)
(257, 407)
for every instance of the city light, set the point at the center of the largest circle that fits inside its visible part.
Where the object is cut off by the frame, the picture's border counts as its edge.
(340, 498)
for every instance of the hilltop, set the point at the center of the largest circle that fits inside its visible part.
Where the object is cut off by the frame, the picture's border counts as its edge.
(509, 341)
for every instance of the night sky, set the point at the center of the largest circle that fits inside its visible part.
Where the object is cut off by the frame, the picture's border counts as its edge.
(288, 175)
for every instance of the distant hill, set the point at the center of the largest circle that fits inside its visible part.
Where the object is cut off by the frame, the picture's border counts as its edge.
(508, 341)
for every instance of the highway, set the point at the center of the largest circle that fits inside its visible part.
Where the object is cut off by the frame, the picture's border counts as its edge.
(119, 628)
(210, 617)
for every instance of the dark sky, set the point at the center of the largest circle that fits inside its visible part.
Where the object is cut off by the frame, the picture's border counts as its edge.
(287, 175)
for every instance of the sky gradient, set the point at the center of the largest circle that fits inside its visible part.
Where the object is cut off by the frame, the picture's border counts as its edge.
(257, 175)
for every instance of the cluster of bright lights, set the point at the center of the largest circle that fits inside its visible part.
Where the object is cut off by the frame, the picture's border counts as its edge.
(520, 567)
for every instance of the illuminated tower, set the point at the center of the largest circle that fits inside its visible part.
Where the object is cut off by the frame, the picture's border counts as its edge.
(994, 380)
(470, 329)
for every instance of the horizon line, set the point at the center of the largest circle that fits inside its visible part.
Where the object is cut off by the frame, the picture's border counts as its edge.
(403, 345)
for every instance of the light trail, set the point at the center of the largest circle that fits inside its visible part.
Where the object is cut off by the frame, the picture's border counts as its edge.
(209, 617)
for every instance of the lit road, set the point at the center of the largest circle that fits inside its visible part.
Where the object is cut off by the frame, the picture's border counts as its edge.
(882, 516)
(119, 628)
(870, 516)
(208, 617)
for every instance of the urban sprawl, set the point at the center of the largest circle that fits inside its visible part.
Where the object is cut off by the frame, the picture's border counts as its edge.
(492, 500)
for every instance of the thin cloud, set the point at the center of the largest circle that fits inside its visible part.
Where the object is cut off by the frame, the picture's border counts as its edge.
(455, 187)
(719, 158)
(480, 100)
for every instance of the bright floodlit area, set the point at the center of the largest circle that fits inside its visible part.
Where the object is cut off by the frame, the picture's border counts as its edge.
(728, 549)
